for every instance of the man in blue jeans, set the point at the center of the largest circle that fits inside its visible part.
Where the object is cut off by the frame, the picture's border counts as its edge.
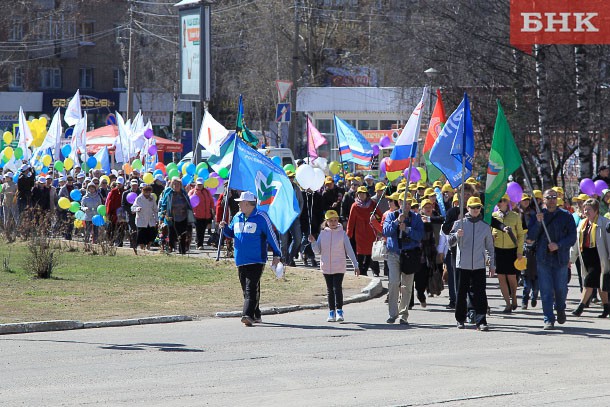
(552, 256)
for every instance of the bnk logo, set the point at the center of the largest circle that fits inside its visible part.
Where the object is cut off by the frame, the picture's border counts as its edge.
(559, 22)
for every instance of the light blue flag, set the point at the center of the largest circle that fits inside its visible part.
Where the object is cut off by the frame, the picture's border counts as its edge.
(353, 146)
(103, 157)
(252, 171)
(455, 141)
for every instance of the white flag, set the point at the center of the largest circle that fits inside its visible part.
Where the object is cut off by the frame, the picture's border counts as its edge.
(73, 112)
(53, 138)
(212, 134)
(121, 142)
(25, 136)
(79, 138)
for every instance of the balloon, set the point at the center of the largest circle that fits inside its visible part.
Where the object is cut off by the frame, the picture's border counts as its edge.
(136, 164)
(64, 203)
(101, 210)
(194, 201)
(190, 169)
(180, 165)
(200, 166)
(334, 167)
(514, 191)
(98, 220)
(277, 160)
(161, 167)
(66, 150)
(212, 192)
(318, 179)
(171, 166)
(16, 178)
(173, 173)
(76, 195)
(18, 153)
(42, 122)
(587, 186)
(105, 177)
(9, 152)
(127, 168)
(74, 207)
(7, 137)
(46, 159)
(305, 176)
(80, 215)
(321, 163)
(375, 150)
(223, 173)
(423, 174)
(289, 167)
(148, 133)
(382, 165)
(148, 178)
(203, 173)
(131, 197)
(414, 176)
(91, 162)
(392, 175)
(44, 170)
(600, 185)
(214, 175)
(59, 166)
(385, 141)
(152, 150)
(187, 179)
(68, 163)
(211, 182)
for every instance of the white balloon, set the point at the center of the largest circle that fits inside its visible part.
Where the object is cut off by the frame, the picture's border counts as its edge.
(305, 176)
(321, 163)
(317, 180)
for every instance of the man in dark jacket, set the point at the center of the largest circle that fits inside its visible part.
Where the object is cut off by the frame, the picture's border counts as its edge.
(25, 184)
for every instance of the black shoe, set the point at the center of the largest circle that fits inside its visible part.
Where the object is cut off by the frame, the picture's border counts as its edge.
(314, 263)
(507, 310)
(292, 264)
(403, 322)
(578, 311)
(534, 303)
(450, 306)
(561, 317)
(606, 311)
(390, 320)
(305, 261)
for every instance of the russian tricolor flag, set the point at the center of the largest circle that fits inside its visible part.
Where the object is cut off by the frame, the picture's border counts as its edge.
(353, 146)
(406, 145)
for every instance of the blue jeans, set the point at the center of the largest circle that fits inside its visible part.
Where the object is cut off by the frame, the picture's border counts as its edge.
(553, 282)
(529, 287)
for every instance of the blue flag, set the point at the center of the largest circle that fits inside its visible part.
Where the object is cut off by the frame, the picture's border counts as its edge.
(352, 145)
(252, 171)
(103, 158)
(455, 141)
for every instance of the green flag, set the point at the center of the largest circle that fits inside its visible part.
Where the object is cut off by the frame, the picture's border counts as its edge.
(504, 159)
(241, 129)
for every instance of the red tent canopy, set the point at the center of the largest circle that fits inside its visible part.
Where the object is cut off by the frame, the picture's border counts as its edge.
(104, 136)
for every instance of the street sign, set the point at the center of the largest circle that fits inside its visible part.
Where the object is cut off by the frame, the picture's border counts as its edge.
(283, 87)
(282, 114)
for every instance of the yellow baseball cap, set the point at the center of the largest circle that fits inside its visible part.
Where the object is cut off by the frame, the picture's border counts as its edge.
(394, 197)
(362, 189)
(559, 202)
(412, 186)
(455, 198)
(429, 192)
(421, 184)
(521, 264)
(437, 184)
(471, 180)
(583, 197)
(401, 197)
(401, 187)
(425, 202)
(526, 197)
(505, 197)
(380, 186)
(537, 193)
(414, 203)
(474, 201)
(358, 179)
(331, 214)
(447, 188)
(558, 189)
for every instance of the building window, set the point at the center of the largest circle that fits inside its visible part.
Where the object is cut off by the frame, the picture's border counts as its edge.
(389, 124)
(325, 125)
(86, 78)
(86, 31)
(368, 125)
(16, 82)
(50, 78)
(118, 79)
(16, 31)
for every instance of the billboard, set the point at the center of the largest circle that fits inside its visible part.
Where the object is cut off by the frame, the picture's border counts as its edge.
(195, 54)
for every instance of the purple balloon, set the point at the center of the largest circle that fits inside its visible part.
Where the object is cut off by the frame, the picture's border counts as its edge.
(385, 141)
(148, 133)
(375, 150)
(514, 191)
(382, 165)
(213, 192)
(194, 200)
(414, 176)
(152, 150)
(600, 185)
(215, 174)
(587, 186)
(131, 197)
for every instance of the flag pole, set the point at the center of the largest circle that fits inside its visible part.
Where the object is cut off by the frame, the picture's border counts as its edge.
(307, 133)
(538, 210)
(227, 192)
(404, 201)
(339, 149)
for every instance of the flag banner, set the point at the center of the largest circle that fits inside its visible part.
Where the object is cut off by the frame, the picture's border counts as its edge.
(252, 171)
(121, 142)
(353, 146)
(504, 159)
(25, 136)
(405, 147)
(437, 121)
(212, 134)
(73, 111)
(455, 141)
(103, 159)
(225, 156)
(53, 138)
(240, 127)
(79, 139)
(314, 139)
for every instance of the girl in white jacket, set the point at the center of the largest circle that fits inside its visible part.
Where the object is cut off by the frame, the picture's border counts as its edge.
(145, 208)
(333, 244)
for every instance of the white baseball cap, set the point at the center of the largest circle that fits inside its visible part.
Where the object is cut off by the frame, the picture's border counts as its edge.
(246, 196)
(120, 180)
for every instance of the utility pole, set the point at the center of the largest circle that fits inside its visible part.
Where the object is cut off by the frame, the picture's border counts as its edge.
(293, 141)
(130, 65)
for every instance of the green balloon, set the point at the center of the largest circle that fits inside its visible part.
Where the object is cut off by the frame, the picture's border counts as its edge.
(223, 172)
(101, 210)
(136, 164)
(171, 166)
(289, 167)
(74, 207)
(18, 153)
(201, 166)
(173, 173)
(59, 166)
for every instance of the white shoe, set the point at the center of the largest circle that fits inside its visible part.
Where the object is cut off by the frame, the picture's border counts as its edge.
(340, 316)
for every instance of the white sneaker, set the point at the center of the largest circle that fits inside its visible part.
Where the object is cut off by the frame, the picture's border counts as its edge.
(340, 316)
(331, 317)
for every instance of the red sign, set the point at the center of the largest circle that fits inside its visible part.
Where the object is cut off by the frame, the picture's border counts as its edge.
(559, 22)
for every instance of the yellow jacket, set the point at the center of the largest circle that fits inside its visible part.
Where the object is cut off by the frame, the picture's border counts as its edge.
(501, 239)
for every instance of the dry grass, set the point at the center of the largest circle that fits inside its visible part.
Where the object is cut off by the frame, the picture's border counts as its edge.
(88, 287)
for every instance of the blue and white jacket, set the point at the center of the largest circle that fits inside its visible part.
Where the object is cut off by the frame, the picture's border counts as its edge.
(252, 235)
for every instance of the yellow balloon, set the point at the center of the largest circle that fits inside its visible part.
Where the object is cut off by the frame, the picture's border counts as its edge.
(211, 182)
(68, 163)
(46, 160)
(334, 167)
(105, 177)
(7, 137)
(393, 175)
(42, 121)
(148, 178)
(78, 223)
(8, 152)
(64, 203)
(184, 170)
(37, 142)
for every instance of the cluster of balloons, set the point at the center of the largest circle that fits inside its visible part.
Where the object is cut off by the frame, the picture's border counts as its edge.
(38, 128)
(587, 186)
(310, 177)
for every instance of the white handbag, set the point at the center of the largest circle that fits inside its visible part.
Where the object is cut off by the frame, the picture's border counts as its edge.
(380, 250)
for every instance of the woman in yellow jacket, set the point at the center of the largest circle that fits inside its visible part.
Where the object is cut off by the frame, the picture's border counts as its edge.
(509, 247)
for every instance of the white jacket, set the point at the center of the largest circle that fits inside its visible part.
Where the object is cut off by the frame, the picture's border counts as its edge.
(145, 210)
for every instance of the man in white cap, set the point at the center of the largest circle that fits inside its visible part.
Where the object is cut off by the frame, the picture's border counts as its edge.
(252, 231)
(8, 199)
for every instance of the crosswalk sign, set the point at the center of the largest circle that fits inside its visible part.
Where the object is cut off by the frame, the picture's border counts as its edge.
(282, 114)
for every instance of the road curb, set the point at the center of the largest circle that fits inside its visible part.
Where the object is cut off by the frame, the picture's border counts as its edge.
(372, 290)
(65, 325)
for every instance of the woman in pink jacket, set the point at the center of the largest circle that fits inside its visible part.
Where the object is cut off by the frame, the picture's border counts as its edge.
(332, 245)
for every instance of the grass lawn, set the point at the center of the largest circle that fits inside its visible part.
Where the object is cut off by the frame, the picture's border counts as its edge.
(90, 287)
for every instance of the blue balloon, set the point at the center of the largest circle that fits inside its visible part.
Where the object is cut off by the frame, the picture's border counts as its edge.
(180, 165)
(277, 160)
(91, 162)
(16, 177)
(80, 215)
(204, 173)
(187, 179)
(44, 170)
(76, 195)
(191, 168)
(157, 172)
(66, 150)
(98, 220)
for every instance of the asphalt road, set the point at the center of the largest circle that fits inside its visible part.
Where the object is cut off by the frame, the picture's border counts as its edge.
(299, 359)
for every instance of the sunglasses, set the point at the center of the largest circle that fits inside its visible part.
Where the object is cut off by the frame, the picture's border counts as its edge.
(551, 197)
(474, 207)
